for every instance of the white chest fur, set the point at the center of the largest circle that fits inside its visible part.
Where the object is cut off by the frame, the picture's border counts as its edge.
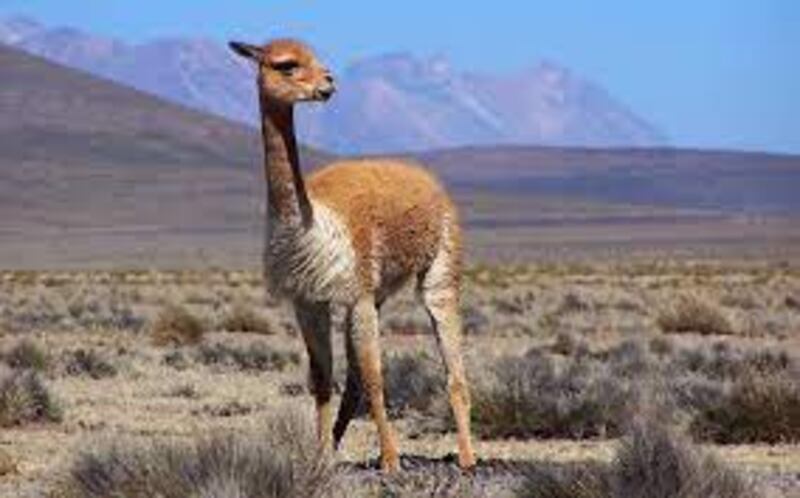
(315, 263)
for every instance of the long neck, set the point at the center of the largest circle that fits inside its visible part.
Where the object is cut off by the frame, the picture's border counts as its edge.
(288, 201)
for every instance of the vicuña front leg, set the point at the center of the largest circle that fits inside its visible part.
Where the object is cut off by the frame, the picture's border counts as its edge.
(364, 330)
(353, 392)
(315, 324)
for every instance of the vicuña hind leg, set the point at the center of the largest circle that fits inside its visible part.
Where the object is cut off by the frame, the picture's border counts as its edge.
(364, 330)
(440, 296)
(315, 324)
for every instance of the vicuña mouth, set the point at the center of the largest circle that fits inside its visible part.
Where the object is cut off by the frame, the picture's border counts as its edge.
(324, 94)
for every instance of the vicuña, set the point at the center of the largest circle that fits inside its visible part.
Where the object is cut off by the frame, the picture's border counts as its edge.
(340, 241)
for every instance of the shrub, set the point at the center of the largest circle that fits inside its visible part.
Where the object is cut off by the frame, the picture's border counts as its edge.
(177, 325)
(691, 313)
(176, 359)
(758, 408)
(26, 354)
(566, 481)
(573, 303)
(651, 462)
(285, 462)
(724, 393)
(724, 362)
(566, 344)
(24, 398)
(187, 391)
(532, 397)
(227, 409)
(242, 318)
(256, 357)
(7, 464)
(108, 313)
(89, 363)
(412, 382)
(475, 322)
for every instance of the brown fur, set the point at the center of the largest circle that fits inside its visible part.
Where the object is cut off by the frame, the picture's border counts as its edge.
(398, 223)
(397, 229)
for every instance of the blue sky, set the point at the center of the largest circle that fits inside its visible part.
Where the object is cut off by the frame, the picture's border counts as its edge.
(713, 74)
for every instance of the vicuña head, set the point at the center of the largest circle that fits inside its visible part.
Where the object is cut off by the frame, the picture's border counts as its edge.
(288, 71)
(342, 240)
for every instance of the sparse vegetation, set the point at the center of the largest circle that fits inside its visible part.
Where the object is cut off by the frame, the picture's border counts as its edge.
(177, 325)
(692, 313)
(284, 462)
(88, 362)
(243, 318)
(26, 354)
(756, 409)
(578, 370)
(729, 395)
(24, 398)
(651, 462)
(531, 396)
(258, 356)
(412, 382)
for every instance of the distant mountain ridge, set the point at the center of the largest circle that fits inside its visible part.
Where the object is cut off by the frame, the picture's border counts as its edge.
(93, 173)
(389, 103)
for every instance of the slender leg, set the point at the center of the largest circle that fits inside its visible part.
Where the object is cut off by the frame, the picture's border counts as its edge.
(364, 335)
(440, 296)
(353, 393)
(314, 321)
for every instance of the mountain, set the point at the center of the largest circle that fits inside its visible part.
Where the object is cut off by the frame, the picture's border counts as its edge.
(78, 152)
(386, 103)
(398, 102)
(94, 174)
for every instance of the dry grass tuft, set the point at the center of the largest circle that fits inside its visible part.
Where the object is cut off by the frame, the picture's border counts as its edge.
(532, 396)
(757, 409)
(285, 462)
(7, 464)
(692, 313)
(412, 382)
(243, 318)
(24, 398)
(176, 325)
(88, 362)
(258, 356)
(651, 462)
(26, 354)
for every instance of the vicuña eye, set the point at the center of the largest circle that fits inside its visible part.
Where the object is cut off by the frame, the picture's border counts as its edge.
(285, 66)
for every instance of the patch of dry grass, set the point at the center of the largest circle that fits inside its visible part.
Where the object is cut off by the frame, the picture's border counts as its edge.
(243, 318)
(176, 325)
(413, 381)
(532, 396)
(651, 462)
(26, 354)
(693, 313)
(88, 362)
(284, 462)
(756, 409)
(24, 398)
(258, 356)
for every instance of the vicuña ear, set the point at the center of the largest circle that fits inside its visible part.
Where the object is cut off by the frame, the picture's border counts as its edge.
(246, 50)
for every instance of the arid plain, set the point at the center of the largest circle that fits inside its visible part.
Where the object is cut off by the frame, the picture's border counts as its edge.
(565, 359)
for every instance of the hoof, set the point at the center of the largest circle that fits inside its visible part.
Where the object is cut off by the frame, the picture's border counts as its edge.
(390, 464)
(467, 462)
